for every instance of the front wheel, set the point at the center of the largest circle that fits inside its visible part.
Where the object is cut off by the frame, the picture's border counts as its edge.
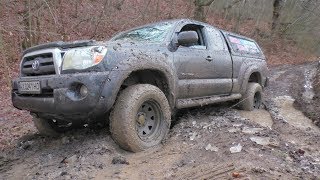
(44, 127)
(140, 118)
(252, 99)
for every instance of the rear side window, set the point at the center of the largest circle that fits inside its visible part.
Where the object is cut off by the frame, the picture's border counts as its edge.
(244, 46)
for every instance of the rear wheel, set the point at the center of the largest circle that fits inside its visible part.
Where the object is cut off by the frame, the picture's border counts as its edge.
(140, 118)
(252, 99)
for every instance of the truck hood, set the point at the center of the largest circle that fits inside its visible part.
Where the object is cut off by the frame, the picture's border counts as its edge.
(134, 45)
(82, 43)
(63, 45)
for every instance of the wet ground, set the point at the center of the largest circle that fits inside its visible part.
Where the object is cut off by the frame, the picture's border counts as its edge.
(212, 142)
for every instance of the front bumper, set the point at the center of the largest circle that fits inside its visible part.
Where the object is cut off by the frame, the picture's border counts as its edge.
(60, 94)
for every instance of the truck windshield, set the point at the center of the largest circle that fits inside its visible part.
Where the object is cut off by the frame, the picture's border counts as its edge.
(152, 34)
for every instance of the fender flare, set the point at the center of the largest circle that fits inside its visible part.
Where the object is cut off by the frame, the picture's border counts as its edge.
(122, 71)
(245, 80)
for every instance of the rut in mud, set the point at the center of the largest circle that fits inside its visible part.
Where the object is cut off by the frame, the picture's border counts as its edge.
(212, 142)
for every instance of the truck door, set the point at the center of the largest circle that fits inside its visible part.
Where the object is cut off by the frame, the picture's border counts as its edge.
(195, 65)
(221, 61)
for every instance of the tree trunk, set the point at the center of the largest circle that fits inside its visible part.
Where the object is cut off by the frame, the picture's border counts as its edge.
(199, 13)
(257, 25)
(31, 24)
(199, 10)
(62, 15)
(277, 8)
(228, 6)
(4, 62)
(239, 17)
(27, 23)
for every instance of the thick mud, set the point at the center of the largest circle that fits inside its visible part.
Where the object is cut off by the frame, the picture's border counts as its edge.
(302, 84)
(211, 142)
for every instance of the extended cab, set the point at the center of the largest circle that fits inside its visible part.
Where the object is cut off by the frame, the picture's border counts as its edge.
(137, 80)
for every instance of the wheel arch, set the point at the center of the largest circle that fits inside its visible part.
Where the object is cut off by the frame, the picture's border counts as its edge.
(252, 74)
(255, 77)
(150, 76)
(119, 80)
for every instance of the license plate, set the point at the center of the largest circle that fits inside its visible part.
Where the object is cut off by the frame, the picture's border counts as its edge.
(31, 87)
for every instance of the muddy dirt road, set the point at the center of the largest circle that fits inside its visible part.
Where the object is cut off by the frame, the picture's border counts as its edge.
(212, 142)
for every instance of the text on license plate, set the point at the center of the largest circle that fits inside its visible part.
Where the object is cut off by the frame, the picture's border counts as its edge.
(29, 87)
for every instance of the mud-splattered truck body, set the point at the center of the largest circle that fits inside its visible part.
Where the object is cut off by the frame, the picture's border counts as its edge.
(138, 79)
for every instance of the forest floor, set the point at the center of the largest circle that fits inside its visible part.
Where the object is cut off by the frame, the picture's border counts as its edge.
(211, 142)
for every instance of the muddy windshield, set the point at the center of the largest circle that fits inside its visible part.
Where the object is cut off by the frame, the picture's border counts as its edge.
(152, 34)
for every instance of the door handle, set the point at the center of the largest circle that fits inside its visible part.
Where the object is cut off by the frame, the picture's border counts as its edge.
(209, 58)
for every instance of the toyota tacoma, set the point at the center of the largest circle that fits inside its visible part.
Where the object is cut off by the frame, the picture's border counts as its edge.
(138, 79)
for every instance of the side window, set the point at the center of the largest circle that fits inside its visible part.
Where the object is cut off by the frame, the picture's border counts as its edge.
(245, 46)
(201, 44)
(217, 42)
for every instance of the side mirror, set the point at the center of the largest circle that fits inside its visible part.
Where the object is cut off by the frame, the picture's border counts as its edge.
(187, 37)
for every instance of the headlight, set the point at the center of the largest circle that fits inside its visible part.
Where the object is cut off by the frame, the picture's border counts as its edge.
(82, 58)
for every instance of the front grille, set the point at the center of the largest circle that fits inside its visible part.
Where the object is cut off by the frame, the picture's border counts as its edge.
(37, 65)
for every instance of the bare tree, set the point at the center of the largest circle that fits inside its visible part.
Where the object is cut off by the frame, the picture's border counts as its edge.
(62, 26)
(99, 18)
(277, 8)
(261, 6)
(239, 16)
(229, 6)
(199, 11)
(31, 23)
(4, 62)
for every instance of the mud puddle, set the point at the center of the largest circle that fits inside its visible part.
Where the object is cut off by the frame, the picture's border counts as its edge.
(293, 116)
(287, 111)
(260, 116)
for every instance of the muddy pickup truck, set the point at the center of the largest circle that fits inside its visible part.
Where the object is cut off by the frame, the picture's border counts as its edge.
(138, 79)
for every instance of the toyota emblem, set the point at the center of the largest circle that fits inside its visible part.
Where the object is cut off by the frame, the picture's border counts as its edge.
(36, 65)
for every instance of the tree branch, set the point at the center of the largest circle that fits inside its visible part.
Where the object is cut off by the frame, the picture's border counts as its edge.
(203, 2)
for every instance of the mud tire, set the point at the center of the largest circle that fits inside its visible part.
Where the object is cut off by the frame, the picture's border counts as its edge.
(124, 127)
(44, 128)
(252, 99)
